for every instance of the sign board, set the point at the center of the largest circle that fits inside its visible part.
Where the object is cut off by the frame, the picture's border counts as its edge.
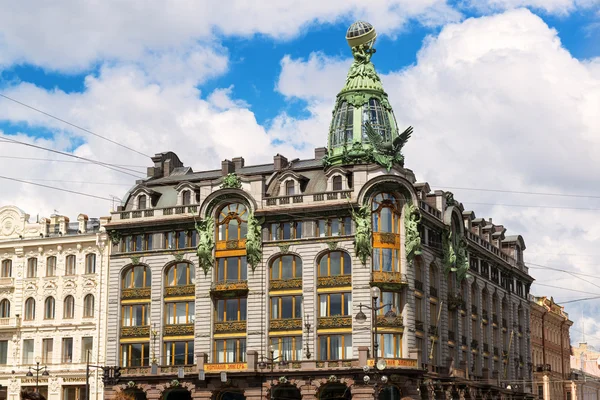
(396, 362)
(225, 367)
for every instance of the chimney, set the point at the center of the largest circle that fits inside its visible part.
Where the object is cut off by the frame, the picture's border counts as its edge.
(227, 167)
(44, 227)
(167, 167)
(63, 223)
(238, 163)
(280, 162)
(82, 219)
(320, 153)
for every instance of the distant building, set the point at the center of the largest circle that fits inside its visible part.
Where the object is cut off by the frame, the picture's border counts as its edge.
(52, 304)
(255, 281)
(551, 349)
(585, 370)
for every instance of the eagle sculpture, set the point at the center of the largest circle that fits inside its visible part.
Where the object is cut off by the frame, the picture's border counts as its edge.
(386, 153)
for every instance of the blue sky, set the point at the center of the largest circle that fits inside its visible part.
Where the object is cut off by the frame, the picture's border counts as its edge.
(503, 94)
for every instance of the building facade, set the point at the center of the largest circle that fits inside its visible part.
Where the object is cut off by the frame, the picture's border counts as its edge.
(585, 372)
(551, 349)
(258, 281)
(52, 294)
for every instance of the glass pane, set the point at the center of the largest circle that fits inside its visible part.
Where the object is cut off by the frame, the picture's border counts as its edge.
(323, 266)
(136, 355)
(287, 267)
(242, 350)
(181, 239)
(232, 269)
(348, 346)
(243, 230)
(335, 347)
(243, 309)
(274, 307)
(243, 268)
(191, 312)
(220, 351)
(298, 230)
(386, 220)
(298, 267)
(274, 231)
(220, 310)
(231, 308)
(182, 274)
(181, 313)
(287, 231)
(376, 259)
(347, 264)
(233, 230)
(287, 307)
(347, 226)
(347, 303)
(387, 260)
(230, 351)
(222, 232)
(335, 227)
(275, 269)
(190, 352)
(335, 304)
(335, 263)
(322, 228)
(221, 270)
(180, 353)
(322, 305)
(298, 307)
(323, 348)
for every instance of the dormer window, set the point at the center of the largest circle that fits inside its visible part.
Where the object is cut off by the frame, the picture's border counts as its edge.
(186, 198)
(142, 202)
(290, 187)
(337, 183)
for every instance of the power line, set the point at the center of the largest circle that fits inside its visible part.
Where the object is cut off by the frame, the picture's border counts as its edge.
(64, 161)
(534, 206)
(55, 188)
(83, 182)
(522, 192)
(539, 266)
(564, 288)
(577, 300)
(73, 125)
(105, 165)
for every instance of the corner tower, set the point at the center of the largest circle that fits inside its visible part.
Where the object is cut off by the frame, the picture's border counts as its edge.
(363, 128)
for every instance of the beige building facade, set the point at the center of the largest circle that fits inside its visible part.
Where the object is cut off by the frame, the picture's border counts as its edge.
(585, 370)
(53, 276)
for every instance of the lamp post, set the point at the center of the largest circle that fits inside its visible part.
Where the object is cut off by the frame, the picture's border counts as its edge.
(37, 370)
(389, 316)
(271, 361)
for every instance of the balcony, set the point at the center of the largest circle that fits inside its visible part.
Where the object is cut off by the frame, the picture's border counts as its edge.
(383, 322)
(229, 288)
(334, 281)
(8, 323)
(473, 309)
(230, 327)
(418, 285)
(389, 280)
(455, 301)
(178, 330)
(341, 321)
(288, 324)
(135, 331)
(433, 292)
(187, 290)
(135, 293)
(307, 198)
(7, 282)
(285, 284)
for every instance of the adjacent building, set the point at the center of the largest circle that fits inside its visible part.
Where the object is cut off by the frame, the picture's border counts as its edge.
(585, 371)
(338, 276)
(551, 349)
(53, 276)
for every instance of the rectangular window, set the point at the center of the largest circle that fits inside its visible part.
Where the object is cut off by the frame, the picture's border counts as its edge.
(231, 269)
(90, 264)
(6, 271)
(335, 347)
(180, 312)
(334, 227)
(386, 260)
(67, 350)
(179, 353)
(135, 315)
(231, 310)
(87, 346)
(32, 267)
(134, 355)
(285, 307)
(28, 351)
(3, 352)
(287, 348)
(230, 350)
(337, 182)
(51, 266)
(390, 345)
(394, 299)
(71, 265)
(73, 393)
(285, 230)
(334, 304)
(47, 351)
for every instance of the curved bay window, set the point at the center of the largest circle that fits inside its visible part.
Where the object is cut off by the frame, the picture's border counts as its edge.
(232, 222)
(386, 212)
(30, 309)
(6, 270)
(69, 307)
(341, 126)
(4, 308)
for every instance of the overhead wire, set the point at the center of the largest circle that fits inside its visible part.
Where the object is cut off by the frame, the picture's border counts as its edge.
(56, 188)
(73, 125)
(523, 192)
(64, 161)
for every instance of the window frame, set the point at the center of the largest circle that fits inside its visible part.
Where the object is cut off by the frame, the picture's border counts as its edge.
(51, 262)
(190, 274)
(147, 278)
(242, 274)
(31, 267)
(343, 301)
(66, 350)
(170, 360)
(277, 343)
(325, 229)
(277, 230)
(70, 266)
(344, 255)
(190, 317)
(295, 267)
(145, 314)
(222, 317)
(239, 357)
(295, 299)
(224, 218)
(88, 310)
(5, 308)
(69, 307)
(49, 313)
(344, 338)
(29, 314)
(144, 354)
(6, 267)
(90, 263)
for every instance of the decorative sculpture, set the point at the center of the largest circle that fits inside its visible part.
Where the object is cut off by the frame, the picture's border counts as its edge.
(455, 257)
(412, 218)
(449, 252)
(363, 246)
(254, 241)
(231, 181)
(462, 260)
(206, 243)
(389, 152)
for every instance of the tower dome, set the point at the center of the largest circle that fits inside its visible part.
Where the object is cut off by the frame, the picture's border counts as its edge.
(363, 128)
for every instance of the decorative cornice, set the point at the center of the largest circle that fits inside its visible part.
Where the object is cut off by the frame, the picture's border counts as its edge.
(179, 330)
(282, 284)
(187, 290)
(285, 324)
(335, 322)
(334, 281)
(135, 331)
(135, 293)
(230, 326)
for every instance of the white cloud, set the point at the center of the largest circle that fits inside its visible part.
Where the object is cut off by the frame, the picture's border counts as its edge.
(70, 35)
(496, 102)
(560, 7)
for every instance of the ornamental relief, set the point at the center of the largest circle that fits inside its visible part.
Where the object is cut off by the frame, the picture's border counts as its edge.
(281, 284)
(187, 290)
(179, 330)
(333, 281)
(285, 324)
(230, 326)
(334, 322)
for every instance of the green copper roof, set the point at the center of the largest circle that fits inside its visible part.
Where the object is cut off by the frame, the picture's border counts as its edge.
(363, 128)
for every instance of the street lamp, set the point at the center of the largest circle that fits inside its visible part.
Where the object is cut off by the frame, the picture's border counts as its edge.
(271, 360)
(389, 316)
(37, 370)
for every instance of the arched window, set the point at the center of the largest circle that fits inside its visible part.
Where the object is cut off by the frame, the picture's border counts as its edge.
(186, 198)
(29, 309)
(390, 392)
(90, 263)
(433, 276)
(49, 308)
(386, 213)
(180, 274)
(335, 263)
(137, 276)
(374, 113)
(69, 307)
(51, 266)
(88, 306)
(290, 187)
(142, 202)
(386, 233)
(337, 182)
(334, 391)
(31, 267)
(232, 222)
(286, 267)
(341, 125)
(70, 265)
(6, 270)
(4, 308)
